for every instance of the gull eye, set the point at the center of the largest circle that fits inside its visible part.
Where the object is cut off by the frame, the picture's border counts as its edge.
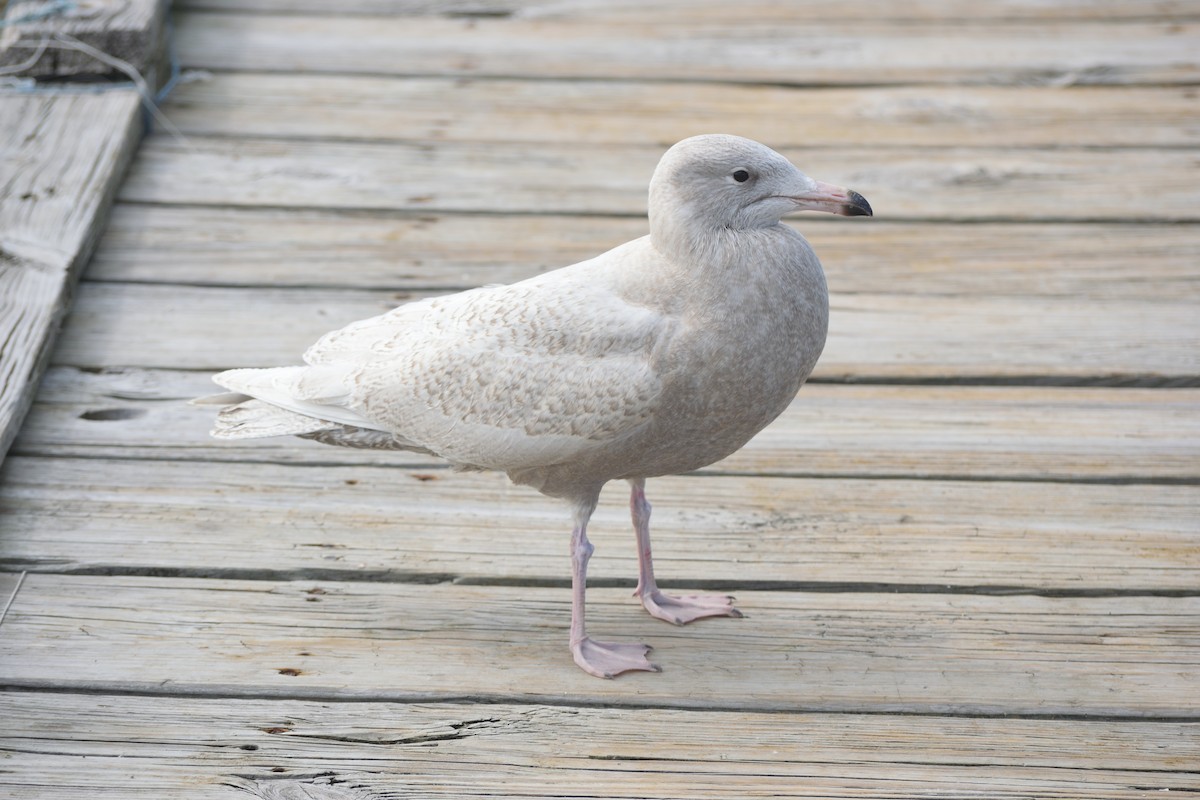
(741, 176)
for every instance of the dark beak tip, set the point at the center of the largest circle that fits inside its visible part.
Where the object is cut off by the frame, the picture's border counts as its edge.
(858, 206)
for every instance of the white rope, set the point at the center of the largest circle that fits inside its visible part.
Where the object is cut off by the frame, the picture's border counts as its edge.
(12, 597)
(65, 41)
(24, 65)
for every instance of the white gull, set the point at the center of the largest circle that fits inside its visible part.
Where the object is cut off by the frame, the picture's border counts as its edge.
(661, 356)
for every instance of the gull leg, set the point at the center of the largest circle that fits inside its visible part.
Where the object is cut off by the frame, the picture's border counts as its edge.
(602, 659)
(679, 610)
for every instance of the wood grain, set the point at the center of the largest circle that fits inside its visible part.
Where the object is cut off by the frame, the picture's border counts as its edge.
(201, 748)
(365, 107)
(830, 430)
(780, 50)
(63, 156)
(730, 532)
(871, 335)
(197, 245)
(926, 653)
(539, 178)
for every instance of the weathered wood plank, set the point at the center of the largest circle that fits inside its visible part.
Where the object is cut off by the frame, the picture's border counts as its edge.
(197, 748)
(779, 50)
(926, 653)
(970, 432)
(541, 178)
(717, 10)
(731, 532)
(61, 157)
(200, 246)
(363, 107)
(871, 335)
(129, 30)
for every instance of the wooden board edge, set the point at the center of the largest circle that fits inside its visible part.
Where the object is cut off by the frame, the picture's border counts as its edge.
(119, 156)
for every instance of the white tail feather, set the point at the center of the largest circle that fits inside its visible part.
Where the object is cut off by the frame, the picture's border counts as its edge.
(316, 392)
(255, 419)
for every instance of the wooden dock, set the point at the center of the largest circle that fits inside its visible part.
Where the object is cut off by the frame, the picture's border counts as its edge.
(969, 553)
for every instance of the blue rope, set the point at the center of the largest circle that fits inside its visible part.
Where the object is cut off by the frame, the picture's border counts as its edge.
(52, 9)
(63, 6)
(173, 61)
(172, 80)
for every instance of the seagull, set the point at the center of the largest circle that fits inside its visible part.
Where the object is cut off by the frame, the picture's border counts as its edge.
(658, 357)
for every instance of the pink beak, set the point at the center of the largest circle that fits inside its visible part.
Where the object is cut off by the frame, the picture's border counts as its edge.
(833, 200)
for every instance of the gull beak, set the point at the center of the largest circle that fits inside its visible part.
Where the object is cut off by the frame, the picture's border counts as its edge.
(833, 200)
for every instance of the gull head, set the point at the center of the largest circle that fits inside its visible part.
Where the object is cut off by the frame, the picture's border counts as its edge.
(721, 182)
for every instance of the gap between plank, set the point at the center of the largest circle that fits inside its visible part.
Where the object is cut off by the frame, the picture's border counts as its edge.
(1118, 381)
(326, 574)
(452, 288)
(383, 212)
(416, 213)
(920, 148)
(1131, 381)
(1048, 79)
(227, 692)
(173, 455)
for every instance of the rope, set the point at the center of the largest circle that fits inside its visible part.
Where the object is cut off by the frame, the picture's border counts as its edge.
(52, 9)
(65, 41)
(12, 596)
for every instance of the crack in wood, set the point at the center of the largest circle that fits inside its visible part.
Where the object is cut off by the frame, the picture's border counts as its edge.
(459, 730)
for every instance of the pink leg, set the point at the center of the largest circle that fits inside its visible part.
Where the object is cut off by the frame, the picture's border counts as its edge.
(602, 659)
(679, 610)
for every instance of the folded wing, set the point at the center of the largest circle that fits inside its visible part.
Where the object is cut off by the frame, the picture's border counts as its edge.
(500, 377)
